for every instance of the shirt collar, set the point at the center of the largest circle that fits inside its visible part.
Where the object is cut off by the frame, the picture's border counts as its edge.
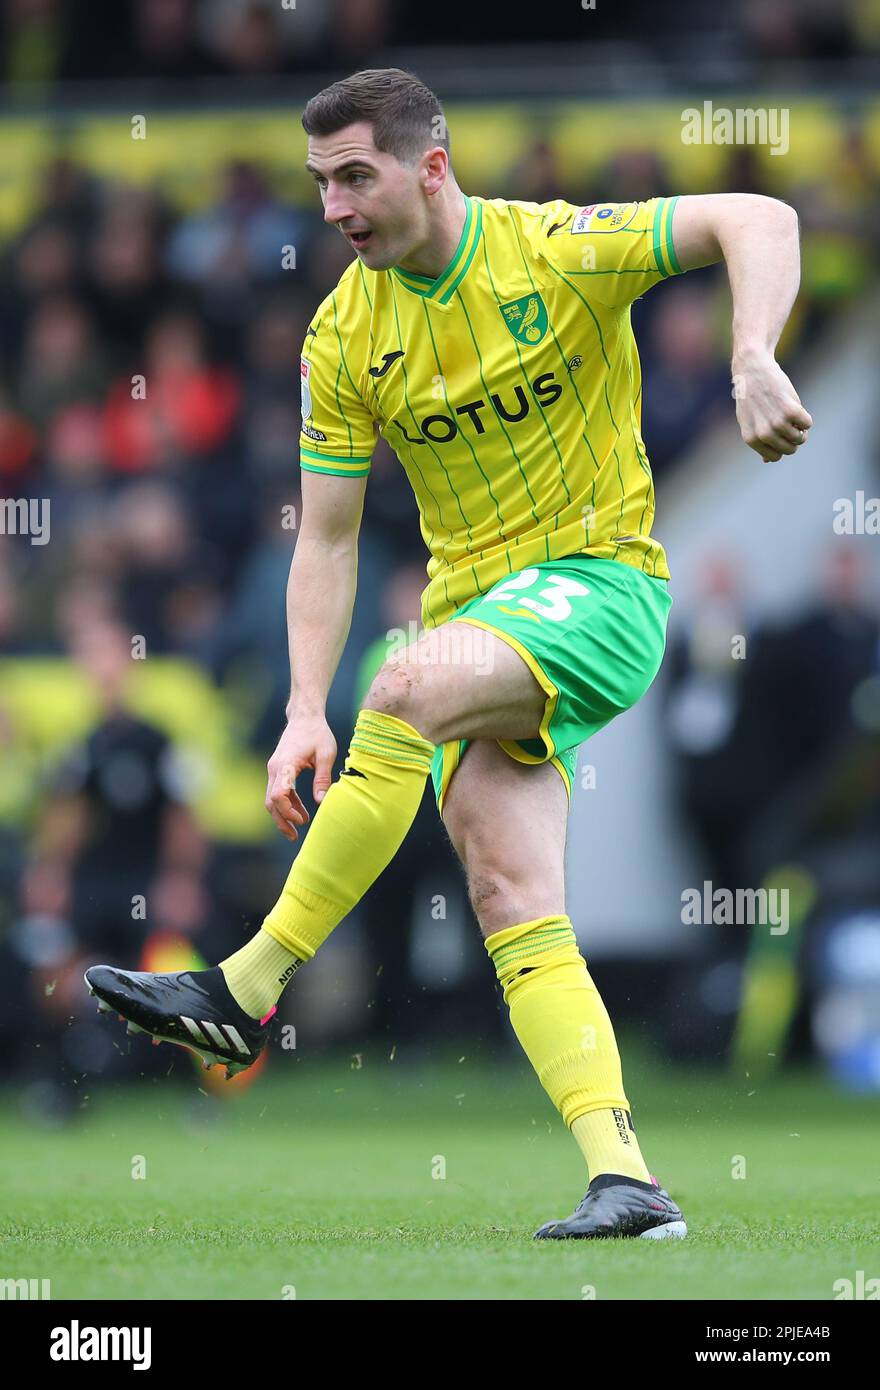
(443, 288)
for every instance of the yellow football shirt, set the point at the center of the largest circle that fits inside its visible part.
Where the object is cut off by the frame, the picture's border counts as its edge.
(509, 388)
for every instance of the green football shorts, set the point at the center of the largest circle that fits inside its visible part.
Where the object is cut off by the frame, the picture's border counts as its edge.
(592, 632)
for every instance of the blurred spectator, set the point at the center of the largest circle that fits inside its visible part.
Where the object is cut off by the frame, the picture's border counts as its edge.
(755, 720)
(746, 171)
(710, 722)
(114, 823)
(34, 34)
(165, 43)
(805, 675)
(632, 174)
(270, 409)
(362, 28)
(75, 465)
(686, 382)
(536, 178)
(85, 601)
(248, 238)
(115, 856)
(13, 632)
(240, 239)
(45, 261)
(62, 362)
(256, 37)
(164, 564)
(17, 444)
(252, 640)
(66, 196)
(806, 29)
(183, 406)
(840, 222)
(391, 511)
(127, 286)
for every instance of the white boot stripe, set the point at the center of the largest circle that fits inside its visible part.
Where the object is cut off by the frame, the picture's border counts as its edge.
(193, 1028)
(236, 1038)
(213, 1032)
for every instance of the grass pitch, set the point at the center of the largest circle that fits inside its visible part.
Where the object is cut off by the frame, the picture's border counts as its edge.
(326, 1182)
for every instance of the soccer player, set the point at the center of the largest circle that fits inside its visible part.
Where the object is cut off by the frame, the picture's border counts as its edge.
(489, 341)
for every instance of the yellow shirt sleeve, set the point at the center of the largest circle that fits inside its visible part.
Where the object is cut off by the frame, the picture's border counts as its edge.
(338, 433)
(612, 252)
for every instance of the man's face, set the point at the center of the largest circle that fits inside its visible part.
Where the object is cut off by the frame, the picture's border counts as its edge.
(375, 201)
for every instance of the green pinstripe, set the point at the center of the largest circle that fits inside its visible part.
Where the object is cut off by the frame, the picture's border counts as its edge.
(463, 436)
(587, 306)
(561, 356)
(410, 453)
(486, 389)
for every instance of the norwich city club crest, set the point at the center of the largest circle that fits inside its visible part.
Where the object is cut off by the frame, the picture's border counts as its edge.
(526, 318)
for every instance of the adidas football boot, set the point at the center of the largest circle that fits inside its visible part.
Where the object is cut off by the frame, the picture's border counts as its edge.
(192, 1008)
(618, 1206)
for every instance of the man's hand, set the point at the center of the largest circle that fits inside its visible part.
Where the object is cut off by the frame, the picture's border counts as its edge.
(306, 742)
(772, 420)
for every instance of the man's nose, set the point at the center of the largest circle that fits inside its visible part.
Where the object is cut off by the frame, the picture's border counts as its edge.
(336, 206)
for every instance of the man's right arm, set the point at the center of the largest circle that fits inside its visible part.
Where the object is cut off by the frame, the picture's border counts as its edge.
(320, 598)
(322, 584)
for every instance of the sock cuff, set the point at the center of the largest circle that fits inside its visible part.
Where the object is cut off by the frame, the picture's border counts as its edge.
(303, 941)
(511, 946)
(386, 736)
(581, 1081)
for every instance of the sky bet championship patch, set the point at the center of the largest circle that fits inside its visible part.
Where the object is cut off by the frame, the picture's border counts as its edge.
(305, 371)
(604, 217)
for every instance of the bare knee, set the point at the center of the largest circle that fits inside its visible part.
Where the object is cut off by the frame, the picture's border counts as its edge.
(505, 892)
(498, 900)
(400, 690)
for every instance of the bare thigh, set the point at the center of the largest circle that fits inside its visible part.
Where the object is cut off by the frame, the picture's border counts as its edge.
(507, 822)
(459, 681)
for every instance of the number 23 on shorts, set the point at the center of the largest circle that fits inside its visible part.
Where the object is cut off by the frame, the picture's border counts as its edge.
(551, 601)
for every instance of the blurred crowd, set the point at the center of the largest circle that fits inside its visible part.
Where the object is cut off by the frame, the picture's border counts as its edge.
(148, 388)
(148, 393)
(775, 737)
(46, 42)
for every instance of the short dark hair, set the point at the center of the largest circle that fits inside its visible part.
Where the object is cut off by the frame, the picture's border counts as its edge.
(406, 116)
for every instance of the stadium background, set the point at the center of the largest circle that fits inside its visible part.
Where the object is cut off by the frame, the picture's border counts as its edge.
(165, 250)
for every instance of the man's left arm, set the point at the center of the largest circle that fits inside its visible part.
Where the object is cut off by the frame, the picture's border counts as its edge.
(757, 238)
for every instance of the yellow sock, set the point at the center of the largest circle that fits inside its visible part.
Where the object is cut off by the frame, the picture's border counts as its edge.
(608, 1142)
(563, 1026)
(358, 829)
(256, 975)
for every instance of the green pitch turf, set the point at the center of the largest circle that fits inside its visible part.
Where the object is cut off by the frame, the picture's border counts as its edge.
(318, 1183)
